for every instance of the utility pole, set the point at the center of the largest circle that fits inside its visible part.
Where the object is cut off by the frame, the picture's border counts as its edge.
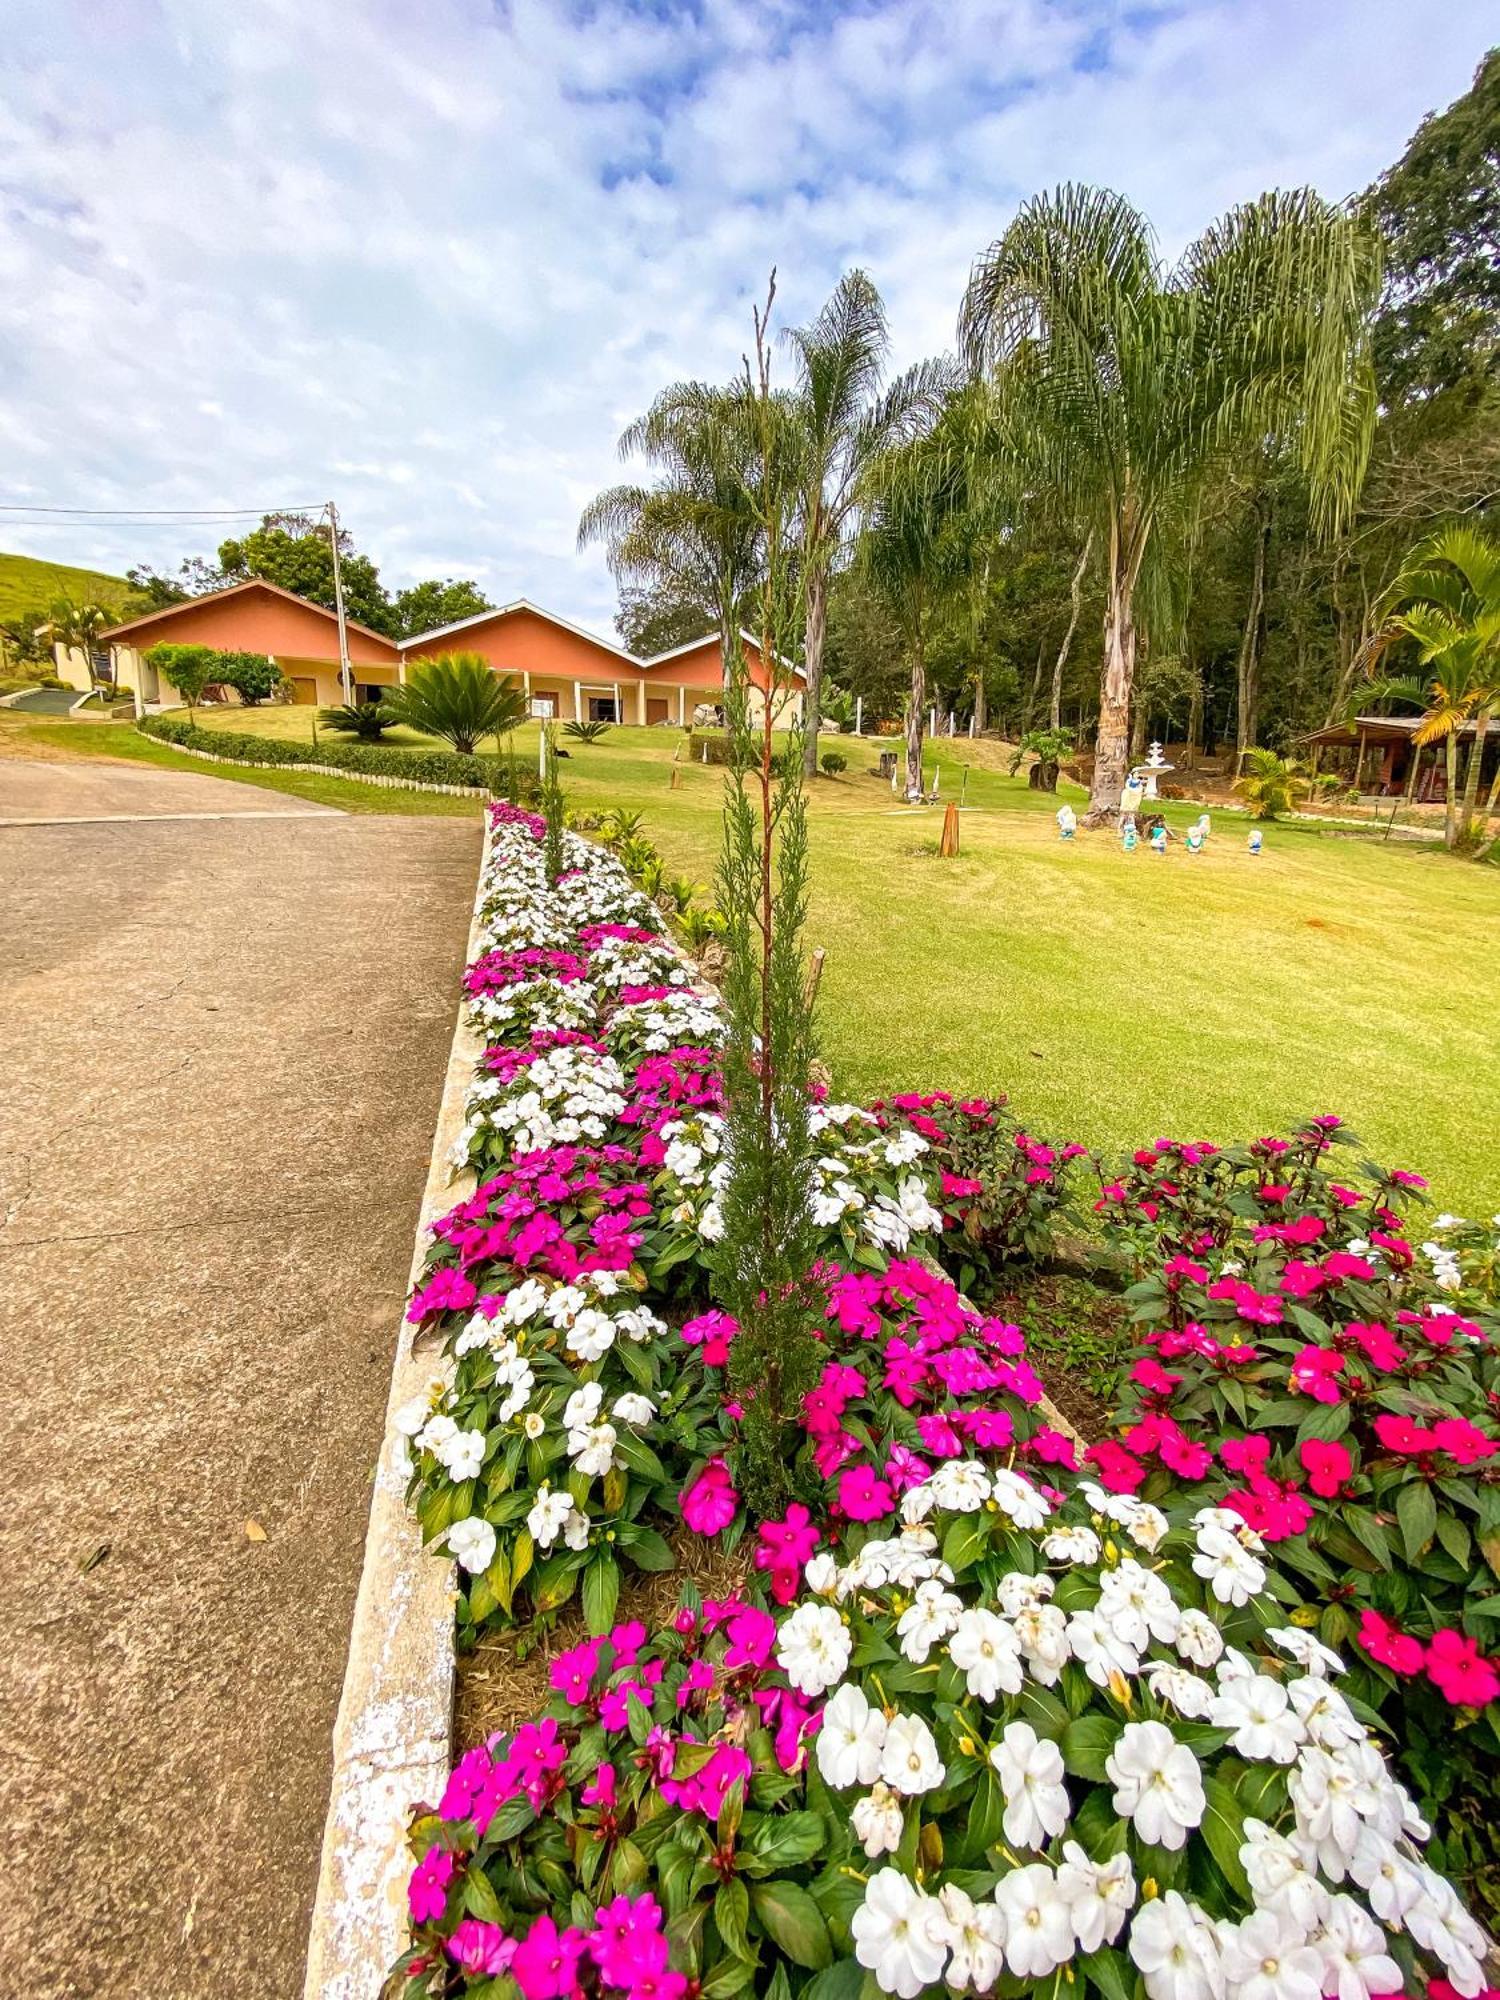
(346, 674)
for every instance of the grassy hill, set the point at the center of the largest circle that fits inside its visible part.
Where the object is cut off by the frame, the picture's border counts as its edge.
(28, 583)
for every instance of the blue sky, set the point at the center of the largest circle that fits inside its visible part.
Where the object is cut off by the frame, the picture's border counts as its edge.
(428, 257)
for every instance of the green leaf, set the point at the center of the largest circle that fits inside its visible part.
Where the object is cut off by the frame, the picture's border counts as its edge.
(967, 1539)
(646, 1548)
(793, 1922)
(513, 1818)
(601, 1593)
(1086, 1743)
(732, 1915)
(1110, 1972)
(1416, 1511)
(788, 1838)
(1455, 1538)
(840, 1981)
(480, 1899)
(1224, 1830)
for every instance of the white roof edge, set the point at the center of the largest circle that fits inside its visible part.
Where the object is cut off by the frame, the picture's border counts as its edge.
(519, 604)
(692, 646)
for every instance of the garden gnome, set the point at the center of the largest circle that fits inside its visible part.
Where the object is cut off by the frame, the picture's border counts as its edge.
(1067, 822)
(1202, 826)
(1128, 837)
(1255, 840)
(1159, 838)
(1194, 837)
(1130, 798)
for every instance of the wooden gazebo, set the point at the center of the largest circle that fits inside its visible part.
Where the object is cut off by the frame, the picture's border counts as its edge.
(1378, 750)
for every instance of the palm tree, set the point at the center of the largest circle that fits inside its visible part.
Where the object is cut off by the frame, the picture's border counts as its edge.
(695, 530)
(915, 550)
(78, 627)
(1448, 594)
(847, 420)
(1124, 380)
(460, 698)
(1271, 784)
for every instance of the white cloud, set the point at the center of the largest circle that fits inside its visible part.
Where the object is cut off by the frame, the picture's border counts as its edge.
(429, 260)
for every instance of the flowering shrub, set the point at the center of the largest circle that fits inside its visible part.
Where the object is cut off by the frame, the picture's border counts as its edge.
(1308, 1366)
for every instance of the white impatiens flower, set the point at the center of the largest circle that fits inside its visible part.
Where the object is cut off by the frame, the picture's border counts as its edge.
(1199, 1639)
(1230, 1571)
(1019, 1592)
(1137, 1603)
(961, 1485)
(583, 1406)
(1173, 1944)
(522, 1381)
(1266, 1958)
(909, 1760)
(534, 1424)
(472, 1543)
(1157, 1783)
(987, 1653)
(1042, 1631)
(1324, 1713)
(974, 1934)
(1038, 1930)
(591, 1335)
(1075, 1544)
(932, 1615)
(1030, 1770)
(1099, 1894)
(878, 1821)
(899, 1935)
(463, 1454)
(1019, 1499)
(813, 1647)
(1101, 1647)
(1146, 1526)
(850, 1739)
(1391, 1881)
(1188, 1693)
(1308, 1651)
(632, 1408)
(592, 1448)
(436, 1433)
(1351, 1947)
(1259, 1713)
(548, 1516)
(1283, 1874)
(821, 1575)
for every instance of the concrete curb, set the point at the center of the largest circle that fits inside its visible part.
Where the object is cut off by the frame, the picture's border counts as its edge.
(393, 1737)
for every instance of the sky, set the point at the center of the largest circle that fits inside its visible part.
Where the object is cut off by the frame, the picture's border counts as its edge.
(429, 257)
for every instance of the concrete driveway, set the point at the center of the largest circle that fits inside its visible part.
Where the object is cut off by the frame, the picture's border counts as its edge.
(225, 1043)
(34, 792)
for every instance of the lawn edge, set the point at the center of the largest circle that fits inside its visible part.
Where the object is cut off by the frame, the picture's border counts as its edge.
(392, 1739)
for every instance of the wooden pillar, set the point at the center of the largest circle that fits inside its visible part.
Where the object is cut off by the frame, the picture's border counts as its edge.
(619, 705)
(640, 701)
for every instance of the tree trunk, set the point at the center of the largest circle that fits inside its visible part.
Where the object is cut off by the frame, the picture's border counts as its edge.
(1028, 714)
(817, 626)
(1471, 776)
(1195, 724)
(981, 705)
(916, 711)
(1112, 744)
(1138, 733)
(1411, 776)
(1054, 716)
(1252, 641)
(1450, 804)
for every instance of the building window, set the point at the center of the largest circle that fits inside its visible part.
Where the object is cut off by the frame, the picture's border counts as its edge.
(602, 708)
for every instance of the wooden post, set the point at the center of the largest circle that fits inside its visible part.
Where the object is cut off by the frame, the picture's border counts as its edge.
(859, 715)
(948, 845)
(814, 979)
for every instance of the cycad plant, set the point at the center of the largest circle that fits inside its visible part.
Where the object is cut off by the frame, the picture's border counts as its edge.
(1124, 381)
(459, 698)
(1272, 785)
(368, 720)
(1447, 599)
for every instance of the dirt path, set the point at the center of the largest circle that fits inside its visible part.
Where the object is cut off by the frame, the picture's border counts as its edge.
(224, 1045)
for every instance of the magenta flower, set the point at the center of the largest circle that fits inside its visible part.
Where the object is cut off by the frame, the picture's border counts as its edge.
(709, 1504)
(1388, 1646)
(1117, 1470)
(1315, 1371)
(427, 1891)
(863, 1496)
(479, 1948)
(573, 1672)
(1459, 1671)
(545, 1965)
(1329, 1466)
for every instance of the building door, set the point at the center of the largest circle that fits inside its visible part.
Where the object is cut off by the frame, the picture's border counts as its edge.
(658, 708)
(304, 690)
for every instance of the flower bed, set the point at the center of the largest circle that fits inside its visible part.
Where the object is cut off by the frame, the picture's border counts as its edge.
(973, 1720)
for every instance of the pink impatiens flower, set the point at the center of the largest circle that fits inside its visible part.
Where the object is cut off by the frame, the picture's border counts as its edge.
(545, 1965)
(427, 1891)
(709, 1504)
(1315, 1372)
(1388, 1646)
(1459, 1670)
(479, 1948)
(784, 1547)
(863, 1496)
(1329, 1466)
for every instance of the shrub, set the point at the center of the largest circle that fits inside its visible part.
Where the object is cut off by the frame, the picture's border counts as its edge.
(832, 762)
(459, 698)
(253, 677)
(585, 732)
(418, 767)
(368, 720)
(1271, 785)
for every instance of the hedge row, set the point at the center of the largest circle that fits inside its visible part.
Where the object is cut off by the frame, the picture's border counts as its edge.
(497, 775)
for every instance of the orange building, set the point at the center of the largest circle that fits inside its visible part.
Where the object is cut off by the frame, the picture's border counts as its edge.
(568, 674)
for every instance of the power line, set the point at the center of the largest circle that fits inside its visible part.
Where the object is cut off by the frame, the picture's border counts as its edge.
(174, 514)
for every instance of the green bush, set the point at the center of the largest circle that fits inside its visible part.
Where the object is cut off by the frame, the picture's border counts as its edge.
(833, 761)
(380, 760)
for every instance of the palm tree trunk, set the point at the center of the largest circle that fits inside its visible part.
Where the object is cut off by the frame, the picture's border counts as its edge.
(1075, 598)
(981, 704)
(1247, 666)
(1195, 724)
(1112, 744)
(1471, 775)
(812, 705)
(916, 709)
(1028, 713)
(1450, 803)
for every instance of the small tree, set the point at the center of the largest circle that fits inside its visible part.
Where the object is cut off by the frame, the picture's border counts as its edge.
(1271, 785)
(461, 699)
(253, 677)
(554, 810)
(190, 669)
(1049, 747)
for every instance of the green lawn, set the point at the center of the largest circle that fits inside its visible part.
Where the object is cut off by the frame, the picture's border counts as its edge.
(28, 583)
(1112, 997)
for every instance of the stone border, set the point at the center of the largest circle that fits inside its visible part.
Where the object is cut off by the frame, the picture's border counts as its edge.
(397, 784)
(393, 1737)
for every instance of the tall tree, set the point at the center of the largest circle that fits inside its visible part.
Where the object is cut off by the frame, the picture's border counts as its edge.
(654, 617)
(430, 605)
(848, 418)
(1122, 380)
(295, 551)
(696, 531)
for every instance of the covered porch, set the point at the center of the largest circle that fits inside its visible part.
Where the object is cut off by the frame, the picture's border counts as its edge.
(1381, 757)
